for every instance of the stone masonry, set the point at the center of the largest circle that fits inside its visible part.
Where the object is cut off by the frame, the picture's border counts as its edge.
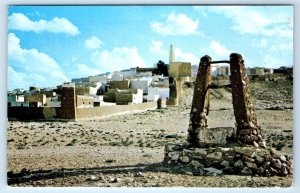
(217, 151)
(68, 103)
(248, 130)
(200, 103)
(215, 161)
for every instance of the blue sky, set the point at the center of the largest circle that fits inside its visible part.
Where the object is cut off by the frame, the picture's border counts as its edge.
(48, 45)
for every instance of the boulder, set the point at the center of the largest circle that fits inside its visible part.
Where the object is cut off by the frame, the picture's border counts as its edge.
(213, 171)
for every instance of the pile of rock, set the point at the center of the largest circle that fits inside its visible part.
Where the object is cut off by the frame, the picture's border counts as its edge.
(247, 160)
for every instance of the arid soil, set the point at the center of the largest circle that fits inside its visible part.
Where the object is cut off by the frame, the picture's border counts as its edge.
(127, 150)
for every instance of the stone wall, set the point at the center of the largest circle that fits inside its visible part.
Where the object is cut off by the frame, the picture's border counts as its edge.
(84, 113)
(124, 84)
(68, 103)
(36, 98)
(246, 160)
(180, 69)
(110, 95)
(83, 101)
(82, 90)
(124, 98)
(33, 113)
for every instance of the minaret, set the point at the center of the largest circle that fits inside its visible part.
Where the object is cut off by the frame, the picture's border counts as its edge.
(171, 55)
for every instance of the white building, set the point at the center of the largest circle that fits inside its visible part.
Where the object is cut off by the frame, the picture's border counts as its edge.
(157, 92)
(142, 83)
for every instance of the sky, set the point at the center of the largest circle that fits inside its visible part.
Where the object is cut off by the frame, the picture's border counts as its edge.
(49, 45)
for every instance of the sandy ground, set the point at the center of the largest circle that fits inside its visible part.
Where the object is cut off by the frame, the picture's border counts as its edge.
(127, 150)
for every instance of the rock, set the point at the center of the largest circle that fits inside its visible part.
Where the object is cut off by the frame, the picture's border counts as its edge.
(266, 164)
(225, 163)
(225, 149)
(189, 173)
(251, 165)
(92, 178)
(229, 170)
(273, 152)
(171, 136)
(259, 159)
(213, 171)
(246, 171)
(173, 155)
(248, 159)
(200, 151)
(215, 155)
(187, 152)
(138, 174)
(284, 170)
(248, 151)
(273, 171)
(276, 163)
(184, 159)
(260, 171)
(282, 158)
(114, 180)
(239, 164)
(196, 164)
(262, 144)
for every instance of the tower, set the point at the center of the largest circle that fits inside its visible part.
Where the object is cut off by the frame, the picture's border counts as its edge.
(171, 55)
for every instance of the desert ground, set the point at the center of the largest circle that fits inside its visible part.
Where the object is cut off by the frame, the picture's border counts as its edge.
(127, 150)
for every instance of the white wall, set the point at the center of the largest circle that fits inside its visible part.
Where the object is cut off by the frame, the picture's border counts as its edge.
(138, 97)
(163, 92)
(140, 84)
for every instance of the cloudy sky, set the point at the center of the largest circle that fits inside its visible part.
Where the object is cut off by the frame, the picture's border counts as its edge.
(48, 45)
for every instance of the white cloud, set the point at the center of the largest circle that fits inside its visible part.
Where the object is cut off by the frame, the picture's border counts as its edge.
(84, 70)
(270, 62)
(283, 46)
(248, 20)
(156, 48)
(185, 57)
(18, 21)
(263, 42)
(93, 43)
(31, 66)
(201, 9)
(118, 59)
(176, 24)
(219, 49)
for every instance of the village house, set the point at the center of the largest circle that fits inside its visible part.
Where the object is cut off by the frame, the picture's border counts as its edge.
(142, 83)
(180, 69)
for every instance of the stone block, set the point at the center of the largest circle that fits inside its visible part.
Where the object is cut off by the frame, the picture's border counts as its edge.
(200, 151)
(184, 159)
(246, 171)
(195, 164)
(247, 151)
(225, 164)
(251, 165)
(215, 155)
(213, 171)
(215, 136)
(239, 164)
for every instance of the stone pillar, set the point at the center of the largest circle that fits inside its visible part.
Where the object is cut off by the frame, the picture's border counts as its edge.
(200, 103)
(159, 101)
(174, 92)
(248, 130)
(68, 103)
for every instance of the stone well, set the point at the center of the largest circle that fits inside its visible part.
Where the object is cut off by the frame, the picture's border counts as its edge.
(226, 150)
(247, 160)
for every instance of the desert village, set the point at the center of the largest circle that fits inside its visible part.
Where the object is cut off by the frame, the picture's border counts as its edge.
(118, 91)
(86, 147)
